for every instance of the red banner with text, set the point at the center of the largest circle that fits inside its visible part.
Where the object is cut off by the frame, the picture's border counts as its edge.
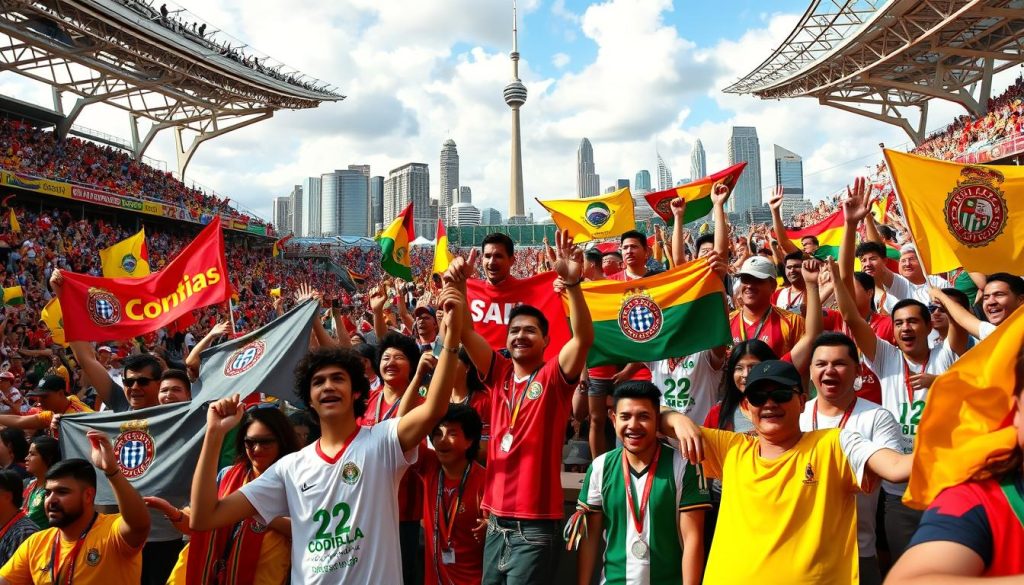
(489, 307)
(105, 309)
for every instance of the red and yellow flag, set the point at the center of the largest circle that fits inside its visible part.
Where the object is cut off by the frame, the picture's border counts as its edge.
(442, 257)
(120, 308)
(279, 246)
(697, 194)
(968, 419)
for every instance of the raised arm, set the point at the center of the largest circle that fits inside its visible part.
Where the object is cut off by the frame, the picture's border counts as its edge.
(959, 315)
(208, 511)
(678, 206)
(344, 340)
(135, 523)
(855, 207)
(415, 426)
(569, 266)
(775, 205)
(85, 355)
(378, 297)
(815, 322)
(719, 195)
(192, 362)
(480, 353)
(863, 334)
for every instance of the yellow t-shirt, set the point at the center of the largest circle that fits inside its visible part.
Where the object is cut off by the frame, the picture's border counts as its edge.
(789, 520)
(104, 559)
(272, 567)
(75, 406)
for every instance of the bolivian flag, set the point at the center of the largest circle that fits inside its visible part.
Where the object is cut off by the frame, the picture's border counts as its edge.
(127, 258)
(829, 233)
(442, 257)
(968, 418)
(671, 314)
(53, 317)
(697, 194)
(279, 246)
(962, 215)
(593, 218)
(394, 245)
(13, 295)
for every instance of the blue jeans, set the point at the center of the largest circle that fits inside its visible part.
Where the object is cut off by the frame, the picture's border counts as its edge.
(521, 552)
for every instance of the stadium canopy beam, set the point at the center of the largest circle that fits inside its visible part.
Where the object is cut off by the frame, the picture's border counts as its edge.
(185, 155)
(888, 113)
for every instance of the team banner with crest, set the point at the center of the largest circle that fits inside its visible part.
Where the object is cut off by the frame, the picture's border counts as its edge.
(122, 308)
(155, 447)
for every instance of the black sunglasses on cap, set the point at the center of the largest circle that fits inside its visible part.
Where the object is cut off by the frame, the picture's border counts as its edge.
(778, 396)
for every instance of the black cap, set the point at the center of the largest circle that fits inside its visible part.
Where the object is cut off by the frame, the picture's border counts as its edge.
(48, 384)
(777, 371)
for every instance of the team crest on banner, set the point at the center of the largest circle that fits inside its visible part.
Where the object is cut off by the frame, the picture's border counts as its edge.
(400, 254)
(664, 207)
(103, 307)
(129, 263)
(245, 358)
(976, 209)
(640, 318)
(134, 448)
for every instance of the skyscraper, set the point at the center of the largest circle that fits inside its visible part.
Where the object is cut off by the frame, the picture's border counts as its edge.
(515, 97)
(789, 171)
(311, 207)
(345, 203)
(490, 216)
(622, 184)
(282, 213)
(698, 162)
(410, 183)
(588, 183)
(295, 209)
(364, 169)
(465, 214)
(664, 175)
(642, 181)
(376, 204)
(744, 146)
(465, 194)
(449, 178)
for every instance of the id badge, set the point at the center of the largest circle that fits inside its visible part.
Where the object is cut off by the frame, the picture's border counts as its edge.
(448, 556)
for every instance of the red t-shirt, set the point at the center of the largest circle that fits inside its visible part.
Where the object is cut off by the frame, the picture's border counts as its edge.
(525, 482)
(410, 493)
(480, 401)
(469, 552)
(781, 330)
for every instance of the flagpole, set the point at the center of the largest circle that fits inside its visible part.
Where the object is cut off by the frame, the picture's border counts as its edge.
(899, 199)
(231, 316)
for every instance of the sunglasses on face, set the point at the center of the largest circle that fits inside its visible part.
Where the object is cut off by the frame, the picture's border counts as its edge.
(262, 442)
(141, 381)
(778, 396)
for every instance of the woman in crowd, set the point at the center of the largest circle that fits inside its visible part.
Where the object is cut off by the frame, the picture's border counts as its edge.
(13, 449)
(42, 454)
(224, 555)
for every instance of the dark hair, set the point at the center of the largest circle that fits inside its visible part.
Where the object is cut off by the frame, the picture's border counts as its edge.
(179, 375)
(499, 239)
(705, 239)
(959, 296)
(473, 381)
(833, 339)
(887, 232)
(814, 240)
(638, 389)
(470, 423)
(799, 256)
(11, 482)
(923, 308)
(137, 362)
(870, 248)
(323, 357)
(613, 253)
(634, 235)
(1015, 283)
(731, 395)
(302, 418)
(78, 469)
(867, 282)
(1001, 465)
(366, 350)
(279, 426)
(14, 439)
(403, 343)
(529, 311)
(48, 449)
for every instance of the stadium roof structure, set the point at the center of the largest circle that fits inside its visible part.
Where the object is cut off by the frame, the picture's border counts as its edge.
(169, 68)
(886, 59)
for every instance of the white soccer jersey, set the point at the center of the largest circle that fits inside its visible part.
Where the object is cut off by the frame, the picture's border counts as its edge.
(344, 512)
(877, 425)
(902, 288)
(688, 385)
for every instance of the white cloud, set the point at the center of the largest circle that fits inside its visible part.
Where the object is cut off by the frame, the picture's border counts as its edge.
(560, 60)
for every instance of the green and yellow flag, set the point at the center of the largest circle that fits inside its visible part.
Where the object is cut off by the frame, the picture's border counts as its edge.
(593, 218)
(53, 317)
(13, 295)
(829, 232)
(442, 257)
(671, 314)
(962, 215)
(127, 258)
(697, 194)
(394, 245)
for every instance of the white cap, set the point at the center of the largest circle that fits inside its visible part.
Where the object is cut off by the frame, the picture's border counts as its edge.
(760, 268)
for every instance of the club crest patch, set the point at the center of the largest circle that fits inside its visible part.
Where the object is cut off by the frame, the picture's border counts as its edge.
(103, 307)
(534, 391)
(640, 318)
(93, 557)
(134, 448)
(975, 210)
(350, 473)
(245, 357)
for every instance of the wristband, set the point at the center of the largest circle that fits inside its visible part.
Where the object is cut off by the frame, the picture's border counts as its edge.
(451, 349)
(116, 471)
(573, 285)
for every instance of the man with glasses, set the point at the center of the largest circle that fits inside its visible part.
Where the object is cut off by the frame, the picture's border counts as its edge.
(791, 509)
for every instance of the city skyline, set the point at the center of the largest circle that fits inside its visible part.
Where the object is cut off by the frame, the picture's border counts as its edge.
(588, 182)
(744, 146)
